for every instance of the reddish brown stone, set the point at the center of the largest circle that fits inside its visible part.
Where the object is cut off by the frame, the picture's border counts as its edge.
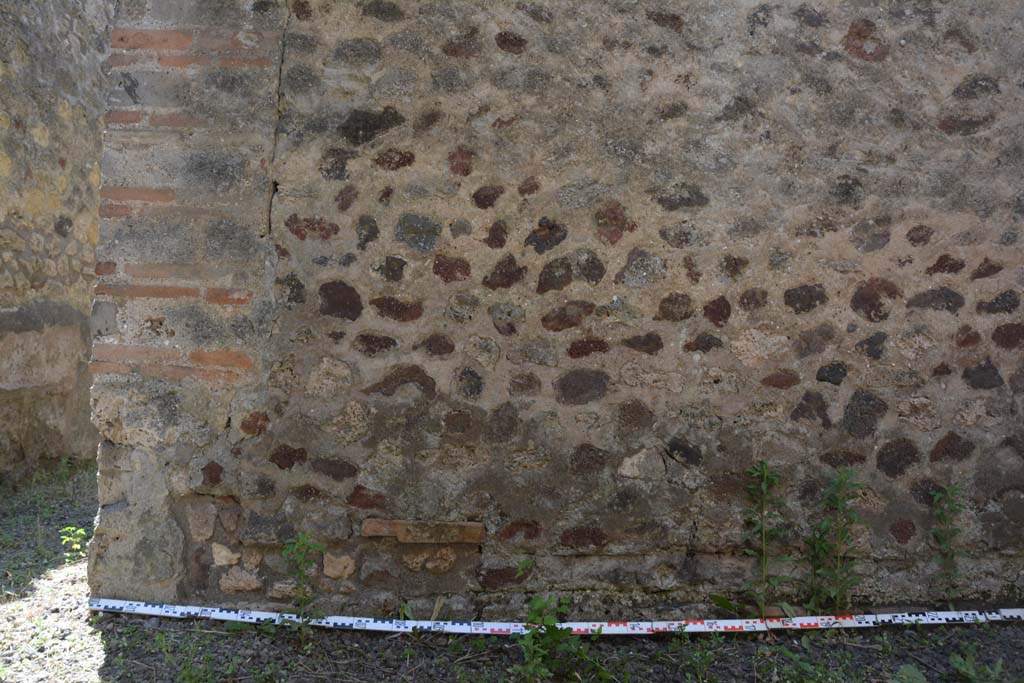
(805, 297)
(964, 125)
(946, 264)
(986, 269)
(703, 343)
(466, 44)
(833, 373)
(505, 274)
(529, 186)
(339, 300)
(842, 458)
(942, 370)
(938, 299)
(374, 344)
(393, 159)
(675, 307)
(717, 311)
(870, 299)
(861, 41)
(581, 386)
(400, 375)
(366, 499)
(752, 299)
(966, 337)
(584, 538)
(393, 268)
(812, 407)
(524, 385)
(451, 268)
(984, 375)
(862, 414)
(951, 447)
(1004, 302)
(486, 196)
(649, 343)
(255, 423)
(814, 340)
(460, 161)
(672, 22)
(555, 275)
(459, 422)
(493, 578)
(781, 379)
(1009, 336)
(395, 309)
(315, 226)
(633, 420)
(569, 315)
(581, 348)
(286, 457)
(213, 473)
(920, 235)
(346, 197)
(872, 346)
(612, 222)
(436, 344)
(338, 470)
(497, 235)
(897, 456)
(903, 530)
(510, 42)
(546, 236)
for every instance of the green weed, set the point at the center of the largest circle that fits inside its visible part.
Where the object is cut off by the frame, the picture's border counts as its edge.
(552, 652)
(763, 529)
(73, 538)
(832, 570)
(947, 504)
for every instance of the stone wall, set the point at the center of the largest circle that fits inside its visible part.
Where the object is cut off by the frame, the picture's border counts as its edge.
(454, 285)
(53, 98)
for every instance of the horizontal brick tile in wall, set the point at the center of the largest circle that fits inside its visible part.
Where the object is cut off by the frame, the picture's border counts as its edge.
(228, 297)
(176, 373)
(136, 194)
(414, 531)
(121, 117)
(154, 39)
(117, 353)
(176, 120)
(226, 359)
(145, 291)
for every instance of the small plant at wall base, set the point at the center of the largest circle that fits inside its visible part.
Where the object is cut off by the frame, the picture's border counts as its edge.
(73, 539)
(832, 574)
(551, 652)
(763, 523)
(947, 504)
(301, 555)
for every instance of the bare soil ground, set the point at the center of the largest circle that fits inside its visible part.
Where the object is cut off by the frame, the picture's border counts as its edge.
(47, 634)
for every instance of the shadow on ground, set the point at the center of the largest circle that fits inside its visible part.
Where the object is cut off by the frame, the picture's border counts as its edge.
(32, 515)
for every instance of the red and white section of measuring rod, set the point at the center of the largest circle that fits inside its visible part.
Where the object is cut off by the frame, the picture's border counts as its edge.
(624, 628)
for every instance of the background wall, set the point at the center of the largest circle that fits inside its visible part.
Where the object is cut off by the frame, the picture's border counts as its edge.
(50, 109)
(454, 285)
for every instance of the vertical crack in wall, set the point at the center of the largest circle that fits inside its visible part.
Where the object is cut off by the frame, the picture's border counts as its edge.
(278, 98)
